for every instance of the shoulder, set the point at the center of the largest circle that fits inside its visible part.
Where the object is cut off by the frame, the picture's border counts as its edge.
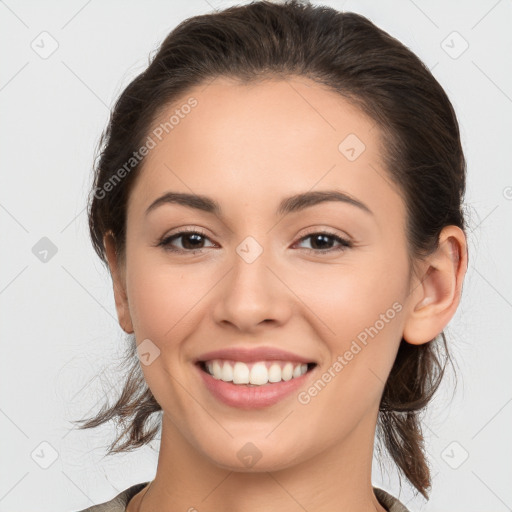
(119, 502)
(389, 502)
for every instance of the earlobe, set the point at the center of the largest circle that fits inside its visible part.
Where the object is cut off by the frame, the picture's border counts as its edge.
(121, 299)
(436, 296)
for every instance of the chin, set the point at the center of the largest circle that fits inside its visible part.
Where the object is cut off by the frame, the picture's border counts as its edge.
(256, 456)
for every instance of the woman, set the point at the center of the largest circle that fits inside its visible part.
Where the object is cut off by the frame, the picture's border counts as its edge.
(279, 202)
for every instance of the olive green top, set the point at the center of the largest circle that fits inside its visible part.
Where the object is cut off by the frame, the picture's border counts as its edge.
(119, 503)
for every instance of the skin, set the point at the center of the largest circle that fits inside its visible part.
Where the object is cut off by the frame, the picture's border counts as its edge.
(248, 147)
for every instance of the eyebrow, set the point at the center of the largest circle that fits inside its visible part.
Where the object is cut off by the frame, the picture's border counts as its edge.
(290, 204)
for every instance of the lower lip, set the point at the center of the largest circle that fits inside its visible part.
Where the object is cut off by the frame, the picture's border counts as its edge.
(251, 397)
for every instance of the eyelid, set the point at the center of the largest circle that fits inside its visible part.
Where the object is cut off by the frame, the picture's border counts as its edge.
(185, 230)
(329, 231)
(179, 233)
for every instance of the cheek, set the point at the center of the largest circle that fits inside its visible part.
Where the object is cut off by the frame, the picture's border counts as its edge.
(352, 296)
(361, 306)
(162, 298)
(365, 320)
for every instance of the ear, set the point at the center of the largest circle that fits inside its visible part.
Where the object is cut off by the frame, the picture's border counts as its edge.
(436, 294)
(118, 279)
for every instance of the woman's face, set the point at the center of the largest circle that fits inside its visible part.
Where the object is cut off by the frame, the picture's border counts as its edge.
(261, 278)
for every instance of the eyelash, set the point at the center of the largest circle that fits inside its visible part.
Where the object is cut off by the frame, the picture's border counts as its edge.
(166, 242)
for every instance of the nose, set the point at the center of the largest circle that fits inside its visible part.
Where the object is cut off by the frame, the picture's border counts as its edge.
(252, 295)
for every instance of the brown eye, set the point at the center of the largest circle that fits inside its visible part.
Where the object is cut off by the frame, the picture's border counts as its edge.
(192, 241)
(322, 242)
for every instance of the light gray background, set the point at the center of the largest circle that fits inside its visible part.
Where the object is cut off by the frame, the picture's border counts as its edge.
(58, 323)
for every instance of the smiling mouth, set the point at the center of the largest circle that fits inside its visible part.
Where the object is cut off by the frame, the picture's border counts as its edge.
(257, 373)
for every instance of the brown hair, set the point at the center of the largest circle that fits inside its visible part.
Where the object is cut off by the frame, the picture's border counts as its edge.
(347, 53)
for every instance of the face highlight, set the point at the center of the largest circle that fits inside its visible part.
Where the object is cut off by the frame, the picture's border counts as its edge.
(296, 242)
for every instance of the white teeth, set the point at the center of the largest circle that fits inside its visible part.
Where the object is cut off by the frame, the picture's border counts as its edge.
(227, 372)
(274, 373)
(217, 370)
(240, 373)
(257, 374)
(287, 371)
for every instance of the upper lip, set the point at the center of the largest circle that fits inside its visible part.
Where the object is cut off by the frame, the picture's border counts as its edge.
(248, 355)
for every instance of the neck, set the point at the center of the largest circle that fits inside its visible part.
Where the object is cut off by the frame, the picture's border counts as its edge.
(339, 479)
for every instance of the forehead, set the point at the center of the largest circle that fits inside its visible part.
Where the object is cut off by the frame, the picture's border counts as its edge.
(255, 143)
